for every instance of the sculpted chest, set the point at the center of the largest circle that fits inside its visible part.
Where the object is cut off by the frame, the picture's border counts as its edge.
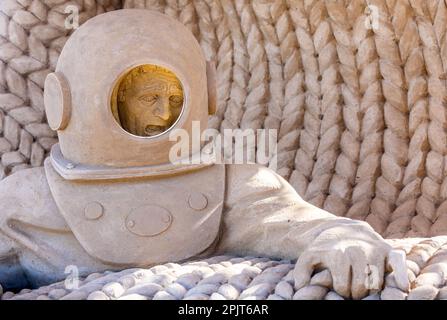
(143, 221)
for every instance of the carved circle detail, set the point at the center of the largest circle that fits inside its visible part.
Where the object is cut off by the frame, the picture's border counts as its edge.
(197, 201)
(149, 220)
(93, 211)
(57, 100)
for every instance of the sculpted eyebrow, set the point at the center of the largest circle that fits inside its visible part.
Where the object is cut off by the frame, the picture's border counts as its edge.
(156, 86)
(175, 89)
(176, 92)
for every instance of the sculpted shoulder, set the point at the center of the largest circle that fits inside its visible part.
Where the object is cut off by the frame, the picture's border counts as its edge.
(24, 183)
(26, 196)
(246, 180)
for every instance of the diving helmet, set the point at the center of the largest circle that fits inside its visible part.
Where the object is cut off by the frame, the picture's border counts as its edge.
(123, 81)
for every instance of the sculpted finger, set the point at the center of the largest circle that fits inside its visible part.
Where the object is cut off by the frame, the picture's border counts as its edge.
(341, 273)
(397, 263)
(376, 274)
(360, 272)
(304, 268)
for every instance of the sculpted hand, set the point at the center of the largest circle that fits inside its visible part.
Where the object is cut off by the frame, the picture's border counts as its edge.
(356, 257)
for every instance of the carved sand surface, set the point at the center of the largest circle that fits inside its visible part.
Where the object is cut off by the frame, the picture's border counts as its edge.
(360, 113)
(356, 89)
(248, 278)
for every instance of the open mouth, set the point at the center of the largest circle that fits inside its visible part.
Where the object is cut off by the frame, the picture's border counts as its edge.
(151, 130)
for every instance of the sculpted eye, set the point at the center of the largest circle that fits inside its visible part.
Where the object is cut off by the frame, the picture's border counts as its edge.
(149, 98)
(176, 100)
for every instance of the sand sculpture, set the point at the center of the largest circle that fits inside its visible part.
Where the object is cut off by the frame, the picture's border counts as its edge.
(399, 207)
(104, 199)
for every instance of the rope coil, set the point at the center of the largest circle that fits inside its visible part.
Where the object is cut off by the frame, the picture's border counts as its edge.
(248, 278)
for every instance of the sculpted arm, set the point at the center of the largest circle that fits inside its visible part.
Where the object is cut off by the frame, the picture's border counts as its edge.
(263, 215)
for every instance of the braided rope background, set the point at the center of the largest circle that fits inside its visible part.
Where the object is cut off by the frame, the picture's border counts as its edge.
(248, 278)
(360, 112)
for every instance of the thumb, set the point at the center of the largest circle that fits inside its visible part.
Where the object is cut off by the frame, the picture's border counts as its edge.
(396, 261)
(304, 268)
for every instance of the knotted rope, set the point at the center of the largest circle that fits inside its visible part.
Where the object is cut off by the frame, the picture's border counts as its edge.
(230, 278)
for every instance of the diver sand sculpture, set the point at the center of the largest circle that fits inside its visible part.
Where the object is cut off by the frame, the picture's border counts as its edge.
(108, 196)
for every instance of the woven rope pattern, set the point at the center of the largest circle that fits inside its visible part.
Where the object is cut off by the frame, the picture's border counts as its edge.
(230, 278)
(360, 111)
(32, 34)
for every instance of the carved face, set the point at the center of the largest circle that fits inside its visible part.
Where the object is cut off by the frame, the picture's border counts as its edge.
(150, 100)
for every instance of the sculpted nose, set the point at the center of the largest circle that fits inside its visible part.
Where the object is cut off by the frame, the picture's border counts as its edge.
(163, 109)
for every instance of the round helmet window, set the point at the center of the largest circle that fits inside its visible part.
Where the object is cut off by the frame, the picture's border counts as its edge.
(147, 100)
